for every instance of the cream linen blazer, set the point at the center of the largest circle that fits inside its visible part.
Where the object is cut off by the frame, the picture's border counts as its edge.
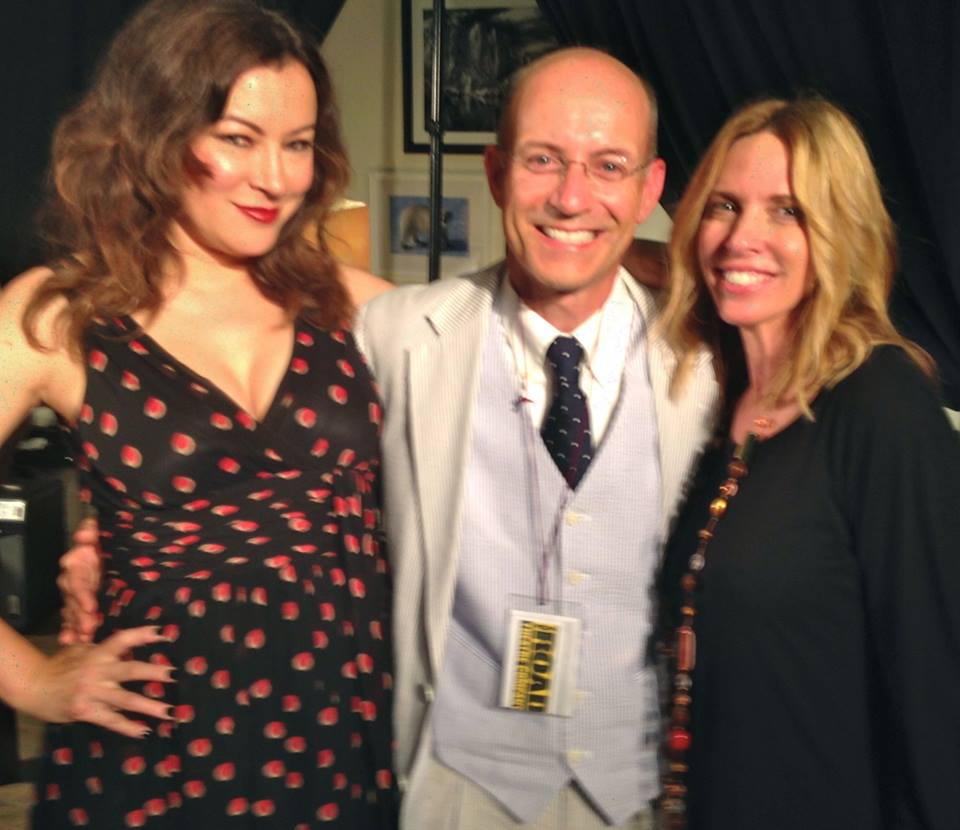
(423, 344)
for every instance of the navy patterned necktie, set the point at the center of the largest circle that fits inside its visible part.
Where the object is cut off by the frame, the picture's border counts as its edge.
(566, 429)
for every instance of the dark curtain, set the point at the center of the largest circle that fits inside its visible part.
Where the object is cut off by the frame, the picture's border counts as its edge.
(50, 48)
(892, 64)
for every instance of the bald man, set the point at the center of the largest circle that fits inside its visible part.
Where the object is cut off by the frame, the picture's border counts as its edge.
(533, 459)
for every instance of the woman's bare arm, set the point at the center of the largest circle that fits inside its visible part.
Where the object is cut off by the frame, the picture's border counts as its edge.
(362, 285)
(82, 682)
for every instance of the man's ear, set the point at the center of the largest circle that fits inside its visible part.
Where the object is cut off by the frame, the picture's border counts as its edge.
(653, 179)
(495, 167)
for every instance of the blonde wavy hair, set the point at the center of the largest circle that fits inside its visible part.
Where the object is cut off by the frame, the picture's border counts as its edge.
(852, 256)
(121, 157)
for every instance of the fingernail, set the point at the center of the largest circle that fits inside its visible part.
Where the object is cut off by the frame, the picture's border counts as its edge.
(144, 729)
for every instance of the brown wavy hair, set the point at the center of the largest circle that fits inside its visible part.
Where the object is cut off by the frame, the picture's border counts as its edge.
(852, 256)
(120, 160)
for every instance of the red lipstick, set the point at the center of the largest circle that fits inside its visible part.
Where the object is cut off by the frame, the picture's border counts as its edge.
(264, 215)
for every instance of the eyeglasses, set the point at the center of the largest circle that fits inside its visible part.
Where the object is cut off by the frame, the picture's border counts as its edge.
(606, 168)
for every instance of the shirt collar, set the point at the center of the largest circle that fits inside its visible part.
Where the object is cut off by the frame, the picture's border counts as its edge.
(604, 335)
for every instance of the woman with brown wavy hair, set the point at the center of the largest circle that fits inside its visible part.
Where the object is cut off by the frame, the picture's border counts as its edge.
(810, 584)
(225, 426)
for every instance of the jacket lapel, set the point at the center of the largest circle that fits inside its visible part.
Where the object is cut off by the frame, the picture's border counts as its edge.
(682, 421)
(443, 372)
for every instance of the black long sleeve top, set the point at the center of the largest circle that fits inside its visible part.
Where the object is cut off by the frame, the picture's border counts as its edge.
(827, 687)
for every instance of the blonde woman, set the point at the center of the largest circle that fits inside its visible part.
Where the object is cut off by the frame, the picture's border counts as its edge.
(810, 585)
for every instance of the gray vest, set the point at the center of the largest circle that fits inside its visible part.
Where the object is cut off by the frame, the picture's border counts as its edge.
(608, 552)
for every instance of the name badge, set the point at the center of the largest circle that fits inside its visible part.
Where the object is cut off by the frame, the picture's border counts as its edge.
(540, 660)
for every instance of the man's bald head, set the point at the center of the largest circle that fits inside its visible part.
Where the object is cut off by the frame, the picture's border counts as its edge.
(591, 61)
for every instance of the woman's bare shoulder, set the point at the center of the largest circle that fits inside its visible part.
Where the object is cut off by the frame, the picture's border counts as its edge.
(29, 281)
(39, 369)
(362, 285)
(16, 296)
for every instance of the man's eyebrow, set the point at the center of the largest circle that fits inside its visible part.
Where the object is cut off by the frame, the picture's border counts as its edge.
(553, 148)
(259, 130)
(544, 145)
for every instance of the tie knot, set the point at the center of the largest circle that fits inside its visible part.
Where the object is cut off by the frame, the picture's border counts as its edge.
(564, 356)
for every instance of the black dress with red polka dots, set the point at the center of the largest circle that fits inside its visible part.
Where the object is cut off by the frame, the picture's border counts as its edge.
(257, 548)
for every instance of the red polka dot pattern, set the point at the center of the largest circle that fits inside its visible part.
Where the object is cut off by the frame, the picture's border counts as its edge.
(257, 548)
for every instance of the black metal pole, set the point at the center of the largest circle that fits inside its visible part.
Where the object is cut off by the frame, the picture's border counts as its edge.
(436, 140)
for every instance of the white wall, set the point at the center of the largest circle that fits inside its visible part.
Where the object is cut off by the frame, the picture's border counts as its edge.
(364, 53)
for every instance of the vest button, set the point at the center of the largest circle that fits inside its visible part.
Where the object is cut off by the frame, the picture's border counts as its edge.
(577, 756)
(427, 694)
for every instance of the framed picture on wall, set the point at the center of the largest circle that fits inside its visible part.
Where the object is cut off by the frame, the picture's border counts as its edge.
(485, 42)
(400, 225)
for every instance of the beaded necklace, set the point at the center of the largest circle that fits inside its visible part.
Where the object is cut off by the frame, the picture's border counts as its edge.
(683, 652)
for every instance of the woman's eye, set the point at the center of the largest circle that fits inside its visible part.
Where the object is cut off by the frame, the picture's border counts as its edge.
(236, 139)
(300, 145)
(718, 207)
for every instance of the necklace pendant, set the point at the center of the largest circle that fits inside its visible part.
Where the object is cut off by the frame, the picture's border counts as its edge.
(678, 739)
(718, 506)
(686, 648)
(729, 488)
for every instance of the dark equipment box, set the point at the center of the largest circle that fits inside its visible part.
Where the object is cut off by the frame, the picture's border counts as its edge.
(32, 539)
